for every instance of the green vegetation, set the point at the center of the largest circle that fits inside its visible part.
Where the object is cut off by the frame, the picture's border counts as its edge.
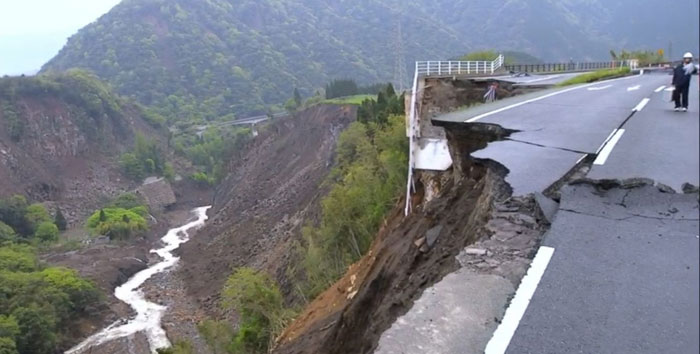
(217, 334)
(510, 57)
(356, 100)
(92, 100)
(211, 150)
(145, 159)
(200, 60)
(370, 172)
(121, 218)
(379, 110)
(645, 57)
(484, 55)
(127, 201)
(38, 304)
(596, 76)
(24, 222)
(118, 223)
(262, 315)
(179, 347)
(347, 87)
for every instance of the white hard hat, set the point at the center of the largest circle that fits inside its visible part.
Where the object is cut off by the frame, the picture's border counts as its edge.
(688, 55)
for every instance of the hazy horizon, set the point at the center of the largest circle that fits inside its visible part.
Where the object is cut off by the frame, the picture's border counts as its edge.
(29, 41)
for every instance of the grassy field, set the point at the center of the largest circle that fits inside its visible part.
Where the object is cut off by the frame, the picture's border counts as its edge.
(357, 99)
(596, 76)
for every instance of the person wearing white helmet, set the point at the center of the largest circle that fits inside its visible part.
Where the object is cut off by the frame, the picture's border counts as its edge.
(681, 81)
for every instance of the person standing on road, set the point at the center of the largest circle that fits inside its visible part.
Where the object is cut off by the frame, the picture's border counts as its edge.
(681, 81)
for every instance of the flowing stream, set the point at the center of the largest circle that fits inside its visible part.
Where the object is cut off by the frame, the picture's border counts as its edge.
(148, 314)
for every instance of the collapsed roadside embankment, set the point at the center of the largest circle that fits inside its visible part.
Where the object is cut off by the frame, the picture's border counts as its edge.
(451, 210)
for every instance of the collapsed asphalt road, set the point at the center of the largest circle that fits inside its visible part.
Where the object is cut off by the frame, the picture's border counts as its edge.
(623, 275)
(618, 269)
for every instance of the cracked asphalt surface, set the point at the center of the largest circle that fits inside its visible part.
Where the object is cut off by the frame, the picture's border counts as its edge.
(623, 277)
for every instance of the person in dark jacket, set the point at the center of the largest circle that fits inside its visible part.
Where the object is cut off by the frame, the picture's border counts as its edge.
(681, 81)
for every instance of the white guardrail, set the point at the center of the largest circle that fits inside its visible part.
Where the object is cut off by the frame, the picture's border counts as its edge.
(440, 68)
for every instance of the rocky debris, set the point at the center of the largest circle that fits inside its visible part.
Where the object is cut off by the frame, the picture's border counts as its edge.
(690, 189)
(158, 193)
(273, 188)
(665, 189)
(58, 159)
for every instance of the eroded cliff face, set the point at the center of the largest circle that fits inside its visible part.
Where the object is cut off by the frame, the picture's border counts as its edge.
(53, 149)
(273, 189)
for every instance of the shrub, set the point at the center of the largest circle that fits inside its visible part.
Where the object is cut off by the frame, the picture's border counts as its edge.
(46, 232)
(118, 223)
(217, 334)
(6, 233)
(258, 301)
(202, 179)
(596, 76)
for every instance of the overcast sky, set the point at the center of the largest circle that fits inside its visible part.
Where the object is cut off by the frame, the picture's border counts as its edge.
(33, 31)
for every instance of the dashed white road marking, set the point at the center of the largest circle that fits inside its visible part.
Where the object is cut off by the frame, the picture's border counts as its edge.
(542, 79)
(641, 105)
(504, 333)
(499, 110)
(608, 147)
(605, 141)
(599, 88)
(633, 88)
(670, 88)
(660, 89)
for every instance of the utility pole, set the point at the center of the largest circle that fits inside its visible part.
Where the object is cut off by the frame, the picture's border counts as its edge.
(400, 60)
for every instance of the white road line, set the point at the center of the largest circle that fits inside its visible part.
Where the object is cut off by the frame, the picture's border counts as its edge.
(483, 115)
(633, 88)
(608, 148)
(542, 79)
(670, 89)
(504, 333)
(581, 159)
(641, 105)
(660, 89)
(605, 141)
(599, 88)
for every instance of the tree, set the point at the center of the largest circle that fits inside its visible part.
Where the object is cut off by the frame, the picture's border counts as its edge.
(297, 97)
(103, 216)
(36, 214)
(291, 106)
(60, 220)
(6, 233)
(8, 327)
(46, 232)
(8, 346)
(12, 212)
(37, 330)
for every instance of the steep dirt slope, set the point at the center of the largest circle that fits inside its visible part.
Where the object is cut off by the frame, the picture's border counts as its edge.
(60, 140)
(451, 210)
(273, 189)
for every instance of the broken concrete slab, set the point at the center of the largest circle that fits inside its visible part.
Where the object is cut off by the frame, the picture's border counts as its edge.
(548, 207)
(455, 316)
(637, 276)
(531, 168)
